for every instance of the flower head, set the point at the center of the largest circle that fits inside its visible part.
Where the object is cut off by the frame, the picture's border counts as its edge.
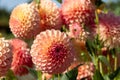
(86, 71)
(25, 21)
(109, 29)
(52, 52)
(21, 57)
(78, 11)
(21, 60)
(77, 31)
(50, 15)
(5, 56)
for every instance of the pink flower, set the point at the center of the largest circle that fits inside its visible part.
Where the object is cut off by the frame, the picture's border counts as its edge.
(86, 71)
(78, 11)
(77, 31)
(50, 16)
(52, 52)
(21, 60)
(5, 56)
(25, 21)
(109, 29)
(21, 57)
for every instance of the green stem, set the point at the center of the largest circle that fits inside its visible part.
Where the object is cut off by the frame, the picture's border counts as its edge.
(115, 63)
(108, 58)
(60, 1)
(58, 76)
(53, 77)
(39, 73)
(101, 69)
(37, 1)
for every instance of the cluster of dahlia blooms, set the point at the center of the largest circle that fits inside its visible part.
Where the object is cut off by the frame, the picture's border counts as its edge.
(72, 38)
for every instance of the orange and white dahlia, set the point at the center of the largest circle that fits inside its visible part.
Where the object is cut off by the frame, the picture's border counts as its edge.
(5, 56)
(50, 15)
(86, 71)
(78, 11)
(52, 52)
(21, 57)
(25, 20)
(109, 29)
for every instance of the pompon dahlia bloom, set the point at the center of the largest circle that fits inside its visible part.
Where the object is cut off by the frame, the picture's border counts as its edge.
(5, 56)
(25, 20)
(86, 71)
(77, 31)
(21, 60)
(109, 29)
(78, 11)
(52, 52)
(50, 15)
(21, 57)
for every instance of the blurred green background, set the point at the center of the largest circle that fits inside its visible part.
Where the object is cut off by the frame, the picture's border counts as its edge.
(6, 8)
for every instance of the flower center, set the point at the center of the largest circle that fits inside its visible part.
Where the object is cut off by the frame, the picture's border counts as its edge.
(57, 50)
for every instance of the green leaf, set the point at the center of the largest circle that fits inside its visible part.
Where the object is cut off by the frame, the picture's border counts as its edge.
(89, 46)
(60, 1)
(38, 1)
(64, 29)
(106, 77)
(39, 74)
(115, 74)
(96, 18)
(97, 75)
(10, 76)
(33, 72)
(71, 75)
(117, 77)
(104, 60)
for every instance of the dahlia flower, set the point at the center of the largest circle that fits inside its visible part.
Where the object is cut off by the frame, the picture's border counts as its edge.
(5, 56)
(21, 57)
(50, 15)
(52, 52)
(21, 60)
(78, 32)
(109, 29)
(78, 11)
(25, 20)
(86, 71)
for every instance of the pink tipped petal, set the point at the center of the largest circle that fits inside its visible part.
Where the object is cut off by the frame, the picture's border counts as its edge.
(109, 29)
(50, 15)
(21, 57)
(78, 11)
(52, 52)
(5, 56)
(25, 21)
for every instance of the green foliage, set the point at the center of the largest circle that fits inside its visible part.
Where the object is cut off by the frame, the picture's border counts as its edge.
(97, 75)
(71, 75)
(33, 72)
(114, 7)
(10, 75)
(115, 75)
(104, 60)
(60, 1)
